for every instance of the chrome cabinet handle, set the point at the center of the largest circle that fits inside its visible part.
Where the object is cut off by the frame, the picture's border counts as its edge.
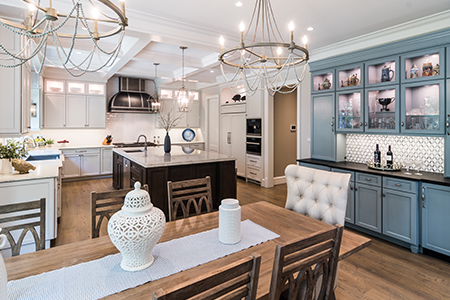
(384, 195)
(423, 197)
(365, 123)
(360, 124)
(403, 124)
(228, 137)
(448, 125)
(332, 123)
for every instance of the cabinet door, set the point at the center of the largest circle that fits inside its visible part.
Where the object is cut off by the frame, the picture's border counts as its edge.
(107, 161)
(400, 215)
(117, 171)
(350, 212)
(9, 100)
(368, 207)
(225, 134)
(238, 141)
(193, 117)
(435, 220)
(170, 105)
(54, 111)
(96, 112)
(447, 134)
(76, 111)
(26, 98)
(255, 104)
(72, 165)
(90, 164)
(323, 139)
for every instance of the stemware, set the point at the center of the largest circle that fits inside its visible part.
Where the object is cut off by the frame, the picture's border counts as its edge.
(418, 162)
(407, 161)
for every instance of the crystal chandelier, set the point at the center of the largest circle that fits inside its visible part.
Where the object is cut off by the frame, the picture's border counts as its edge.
(39, 31)
(183, 94)
(269, 64)
(154, 106)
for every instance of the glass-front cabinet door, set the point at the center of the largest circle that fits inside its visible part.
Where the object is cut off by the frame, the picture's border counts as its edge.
(350, 77)
(423, 65)
(382, 109)
(423, 108)
(382, 71)
(349, 114)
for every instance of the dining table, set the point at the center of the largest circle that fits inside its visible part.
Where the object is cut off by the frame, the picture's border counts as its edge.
(289, 225)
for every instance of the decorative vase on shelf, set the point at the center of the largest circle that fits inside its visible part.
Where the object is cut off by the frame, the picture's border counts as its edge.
(6, 167)
(136, 229)
(3, 276)
(167, 146)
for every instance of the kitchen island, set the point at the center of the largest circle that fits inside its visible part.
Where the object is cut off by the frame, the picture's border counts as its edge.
(183, 163)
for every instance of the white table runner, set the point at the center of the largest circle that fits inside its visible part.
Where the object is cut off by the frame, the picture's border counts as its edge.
(103, 277)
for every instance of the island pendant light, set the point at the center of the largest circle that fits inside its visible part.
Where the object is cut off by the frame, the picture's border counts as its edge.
(184, 96)
(154, 106)
(267, 64)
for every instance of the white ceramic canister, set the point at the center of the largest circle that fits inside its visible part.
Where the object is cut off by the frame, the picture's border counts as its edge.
(6, 166)
(136, 229)
(3, 276)
(229, 221)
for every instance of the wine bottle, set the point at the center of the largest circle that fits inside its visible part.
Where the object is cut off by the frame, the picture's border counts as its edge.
(389, 158)
(377, 157)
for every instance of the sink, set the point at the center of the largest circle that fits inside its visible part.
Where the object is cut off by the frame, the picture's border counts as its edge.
(133, 150)
(43, 157)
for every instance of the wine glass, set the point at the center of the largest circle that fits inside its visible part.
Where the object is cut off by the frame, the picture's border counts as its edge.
(407, 161)
(418, 162)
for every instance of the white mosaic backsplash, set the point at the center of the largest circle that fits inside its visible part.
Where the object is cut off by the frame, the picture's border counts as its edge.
(430, 150)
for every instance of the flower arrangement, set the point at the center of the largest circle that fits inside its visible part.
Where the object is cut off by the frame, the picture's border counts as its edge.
(168, 120)
(12, 150)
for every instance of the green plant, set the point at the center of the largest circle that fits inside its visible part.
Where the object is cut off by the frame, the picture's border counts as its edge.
(12, 150)
(49, 142)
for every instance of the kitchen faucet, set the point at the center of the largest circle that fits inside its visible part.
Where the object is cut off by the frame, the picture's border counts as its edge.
(145, 145)
(33, 142)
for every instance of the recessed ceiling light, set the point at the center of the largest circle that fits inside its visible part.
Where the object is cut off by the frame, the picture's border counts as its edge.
(239, 4)
(310, 28)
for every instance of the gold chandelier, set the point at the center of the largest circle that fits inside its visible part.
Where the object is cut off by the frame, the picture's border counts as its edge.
(52, 26)
(269, 64)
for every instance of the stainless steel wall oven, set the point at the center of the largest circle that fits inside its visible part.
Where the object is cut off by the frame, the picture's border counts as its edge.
(253, 145)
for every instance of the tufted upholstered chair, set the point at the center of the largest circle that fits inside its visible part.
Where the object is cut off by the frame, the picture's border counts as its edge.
(318, 194)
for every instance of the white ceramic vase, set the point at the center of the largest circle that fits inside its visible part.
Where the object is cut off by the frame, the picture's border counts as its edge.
(6, 167)
(229, 221)
(3, 277)
(136, 229)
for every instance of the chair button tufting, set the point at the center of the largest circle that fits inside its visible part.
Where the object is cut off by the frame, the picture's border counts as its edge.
(326, 185)
(296, 178)
(312, 182)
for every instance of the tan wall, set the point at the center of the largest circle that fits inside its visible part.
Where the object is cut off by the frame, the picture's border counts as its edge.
(285, 141)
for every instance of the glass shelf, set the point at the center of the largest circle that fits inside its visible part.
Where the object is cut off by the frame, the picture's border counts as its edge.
(323, 82)
(384, 72)
(349, 112)
(423, 66)
(75, 87)
(382, 113)
(349, 77)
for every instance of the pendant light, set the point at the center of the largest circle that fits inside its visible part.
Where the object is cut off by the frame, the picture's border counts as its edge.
(183, 94)
(154, 106)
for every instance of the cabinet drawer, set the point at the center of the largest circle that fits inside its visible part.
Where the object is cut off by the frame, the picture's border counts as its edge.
(82, 151)
(318, 167)
(400, 184)
(135, 167)
(254, 173)
(368, 179)
(352, 174)
(254, 161)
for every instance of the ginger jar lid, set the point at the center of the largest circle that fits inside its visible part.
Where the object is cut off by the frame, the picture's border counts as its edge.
(137, 201)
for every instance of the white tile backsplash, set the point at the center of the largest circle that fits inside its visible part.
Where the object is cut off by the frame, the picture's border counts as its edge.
(430, 150)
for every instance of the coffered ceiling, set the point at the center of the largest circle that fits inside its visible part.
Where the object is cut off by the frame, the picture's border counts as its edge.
(157, 29)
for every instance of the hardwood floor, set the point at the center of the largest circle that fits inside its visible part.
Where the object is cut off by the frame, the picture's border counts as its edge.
(381, 271)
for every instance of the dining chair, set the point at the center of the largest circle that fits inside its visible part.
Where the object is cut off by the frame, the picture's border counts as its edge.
(306, 268)
(183, 194)
(233, 281)
(24, 214)
(104, 205)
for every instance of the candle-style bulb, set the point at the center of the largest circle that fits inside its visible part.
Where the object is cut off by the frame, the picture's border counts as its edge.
(95, 13)
(305, 40)
(291, 26)
(241, 27)
(221, 41)
(279, 51)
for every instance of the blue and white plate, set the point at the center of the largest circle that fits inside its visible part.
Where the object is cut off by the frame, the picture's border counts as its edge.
(188, 134)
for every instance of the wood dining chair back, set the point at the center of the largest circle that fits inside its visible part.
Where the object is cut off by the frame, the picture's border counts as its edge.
(237, 280)
(24, 216)
(104, 205)
(183, 194)
(306, 268)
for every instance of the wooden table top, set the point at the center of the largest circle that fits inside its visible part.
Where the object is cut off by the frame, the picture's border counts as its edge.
(288, 224)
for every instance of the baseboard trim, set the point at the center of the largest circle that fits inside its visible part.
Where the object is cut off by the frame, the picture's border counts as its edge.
(85, 178)
(279, 180)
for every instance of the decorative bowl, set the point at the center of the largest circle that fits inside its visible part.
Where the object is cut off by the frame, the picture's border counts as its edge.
(55, 89)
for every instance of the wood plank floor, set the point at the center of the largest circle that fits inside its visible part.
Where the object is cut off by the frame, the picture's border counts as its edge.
(381, 271)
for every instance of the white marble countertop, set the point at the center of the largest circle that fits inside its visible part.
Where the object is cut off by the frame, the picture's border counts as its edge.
(178, 156)
(44, 168)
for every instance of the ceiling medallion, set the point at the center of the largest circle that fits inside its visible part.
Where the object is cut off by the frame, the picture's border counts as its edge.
(45, 26)
(268, 64)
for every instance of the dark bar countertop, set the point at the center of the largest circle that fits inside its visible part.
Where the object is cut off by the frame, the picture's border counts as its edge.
(428, 177)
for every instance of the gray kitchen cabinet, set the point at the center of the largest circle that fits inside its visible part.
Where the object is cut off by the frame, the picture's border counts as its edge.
(435, 210)
(423, 107)
(378, 119)
(314, 166)
(418, 58)
(368, 212)
(81, 162)
(325, 144)
(75, 111)
(54, 111)
(350, 211)
(400, 210)
(349, 76)
(447, 134)
(350, 111)
(373, 71)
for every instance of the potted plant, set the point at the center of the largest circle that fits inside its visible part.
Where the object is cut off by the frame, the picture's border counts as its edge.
(168, 121)
(49, 142)
(11, 150)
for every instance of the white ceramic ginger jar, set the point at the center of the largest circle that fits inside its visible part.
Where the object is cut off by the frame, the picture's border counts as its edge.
(136, 229)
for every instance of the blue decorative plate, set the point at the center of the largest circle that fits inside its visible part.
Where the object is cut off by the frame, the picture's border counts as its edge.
(187, 150)
(188, 134)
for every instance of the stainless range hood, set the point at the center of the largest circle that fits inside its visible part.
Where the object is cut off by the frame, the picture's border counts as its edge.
(131, 97)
